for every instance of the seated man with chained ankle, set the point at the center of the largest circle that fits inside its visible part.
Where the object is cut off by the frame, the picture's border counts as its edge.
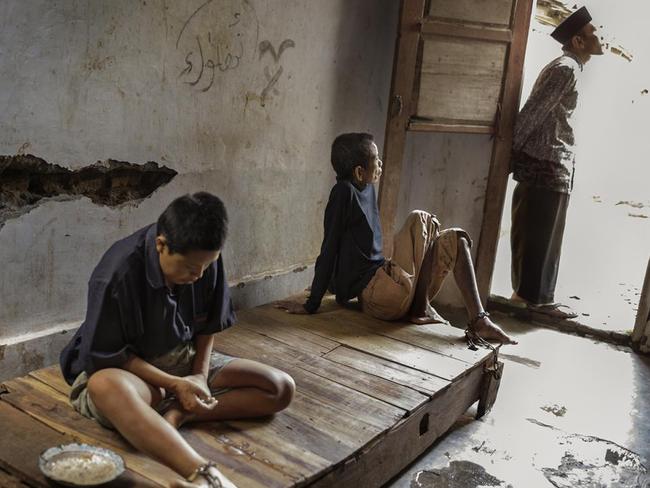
(143, 363)
(351, 262)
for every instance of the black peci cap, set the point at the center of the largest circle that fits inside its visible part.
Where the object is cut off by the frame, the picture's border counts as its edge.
(571, 25)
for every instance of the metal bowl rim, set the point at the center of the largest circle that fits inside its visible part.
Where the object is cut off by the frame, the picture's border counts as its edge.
(46, 456)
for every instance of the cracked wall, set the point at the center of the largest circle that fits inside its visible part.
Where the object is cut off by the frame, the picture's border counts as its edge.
(229, 94)
(27, 181)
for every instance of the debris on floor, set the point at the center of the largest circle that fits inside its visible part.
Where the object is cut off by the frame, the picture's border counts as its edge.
(631, 204)
(584, 461)
(459, 474)
(556, 410)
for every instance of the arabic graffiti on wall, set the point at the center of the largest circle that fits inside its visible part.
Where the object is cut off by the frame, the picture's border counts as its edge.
(272, 79)
(217, 38)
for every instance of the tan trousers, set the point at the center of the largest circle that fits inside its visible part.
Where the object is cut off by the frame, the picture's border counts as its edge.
(391, 290)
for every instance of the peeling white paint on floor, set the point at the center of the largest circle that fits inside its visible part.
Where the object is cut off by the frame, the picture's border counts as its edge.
(566, 405)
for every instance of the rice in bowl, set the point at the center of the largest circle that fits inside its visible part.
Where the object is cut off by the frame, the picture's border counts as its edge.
(81, 465)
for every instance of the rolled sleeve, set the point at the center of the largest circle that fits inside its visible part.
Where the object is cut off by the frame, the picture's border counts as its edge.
(107, 340)
(221, 314)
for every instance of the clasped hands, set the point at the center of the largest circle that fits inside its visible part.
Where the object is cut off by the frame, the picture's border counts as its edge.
(193, 394)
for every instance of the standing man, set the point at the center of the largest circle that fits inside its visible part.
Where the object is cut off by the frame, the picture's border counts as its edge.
(543, 165)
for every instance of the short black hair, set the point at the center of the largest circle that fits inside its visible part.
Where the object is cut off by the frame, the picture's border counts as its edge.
(195, 222)
(349, 151)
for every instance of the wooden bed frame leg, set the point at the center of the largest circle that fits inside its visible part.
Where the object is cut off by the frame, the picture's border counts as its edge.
(490, 387)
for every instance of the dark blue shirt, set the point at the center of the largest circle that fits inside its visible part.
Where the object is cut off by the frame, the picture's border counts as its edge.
(352, 249)
(131, 311)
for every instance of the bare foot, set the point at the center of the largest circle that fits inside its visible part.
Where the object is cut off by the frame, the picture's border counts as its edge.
(518, 301)
(554, 310)
(176, 416)
(202, 482)
(491, 332)
(430, 316)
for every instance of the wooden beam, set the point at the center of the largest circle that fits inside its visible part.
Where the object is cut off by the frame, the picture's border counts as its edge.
(484, 33)
(400, 109)
(643, 313)
(426, 126)
(498, 175)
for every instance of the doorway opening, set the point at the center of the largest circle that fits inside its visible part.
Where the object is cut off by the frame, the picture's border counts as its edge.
(607, 235)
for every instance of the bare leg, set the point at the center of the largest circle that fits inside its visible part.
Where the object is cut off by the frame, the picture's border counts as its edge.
(421, 311)
(257, 390)
(466, 281)
(127, 402)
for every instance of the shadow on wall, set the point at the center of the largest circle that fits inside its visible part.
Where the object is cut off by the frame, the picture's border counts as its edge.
(27, 181)
(366, 34)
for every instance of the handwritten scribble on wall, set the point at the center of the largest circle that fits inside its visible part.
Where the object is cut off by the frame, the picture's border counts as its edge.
(217, 38)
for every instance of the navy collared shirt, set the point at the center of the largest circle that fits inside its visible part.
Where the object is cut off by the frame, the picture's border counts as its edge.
(131, 311)
(352, 246)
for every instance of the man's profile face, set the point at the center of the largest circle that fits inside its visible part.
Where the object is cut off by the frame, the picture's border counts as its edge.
(183, 269)
(591, 42)
(372, 173)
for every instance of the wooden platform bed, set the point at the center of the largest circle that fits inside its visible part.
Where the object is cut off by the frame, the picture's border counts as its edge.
(371, 396)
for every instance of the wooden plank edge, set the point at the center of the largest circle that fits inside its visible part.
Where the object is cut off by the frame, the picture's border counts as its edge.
(570, 326)
(643, 311)
(498, 174)
(399, 110)
(432, 27)
(424, 126)
(376, 463)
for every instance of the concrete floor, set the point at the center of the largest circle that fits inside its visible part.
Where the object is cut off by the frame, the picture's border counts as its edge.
(571, 412)
(606, 297)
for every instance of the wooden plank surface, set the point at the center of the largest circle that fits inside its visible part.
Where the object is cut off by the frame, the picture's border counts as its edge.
(305, 444)
(329, 325)
(374, 386)
(484, 12)
(377, 463)
(453, 126)
(52, 408)
(45, 405)
(358, 405)
(431, 27)
(24, 439)
(392, 371)
(9, 481)
(441, 338)
(300, 339)
(460, 79)
(358, 380)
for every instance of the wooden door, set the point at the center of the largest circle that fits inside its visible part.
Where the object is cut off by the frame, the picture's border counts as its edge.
(641, 334)
(458, 68)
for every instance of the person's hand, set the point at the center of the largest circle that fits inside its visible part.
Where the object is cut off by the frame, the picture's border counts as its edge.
(291, 307)
(193, 394)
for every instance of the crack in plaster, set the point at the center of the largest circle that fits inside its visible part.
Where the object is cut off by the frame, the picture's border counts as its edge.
(27, 181)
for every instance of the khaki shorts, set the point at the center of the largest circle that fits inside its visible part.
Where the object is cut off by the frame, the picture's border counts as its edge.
(390, 292)
(177, 362)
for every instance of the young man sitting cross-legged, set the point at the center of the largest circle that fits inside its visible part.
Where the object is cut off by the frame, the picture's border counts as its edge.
(351, 261)
(142, 361)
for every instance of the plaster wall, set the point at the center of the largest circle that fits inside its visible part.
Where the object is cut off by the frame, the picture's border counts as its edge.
(446, 174)
(241, 97)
